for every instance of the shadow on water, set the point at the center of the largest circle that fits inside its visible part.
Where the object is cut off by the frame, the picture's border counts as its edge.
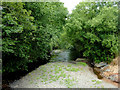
(64, 55)
(73, 55)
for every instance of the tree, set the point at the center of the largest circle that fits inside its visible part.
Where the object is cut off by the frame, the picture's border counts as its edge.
(92, 30)
(17, 27)
(29, 32)
(51, 17)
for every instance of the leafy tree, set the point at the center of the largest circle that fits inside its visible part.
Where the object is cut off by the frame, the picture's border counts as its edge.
(29, 32)
(92, 30)
(17, 27)
(51, 17)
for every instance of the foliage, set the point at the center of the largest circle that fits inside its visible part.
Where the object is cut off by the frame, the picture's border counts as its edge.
(29, 32)
(82, 63)
(51, 16)
(17, 27)
(92, 30)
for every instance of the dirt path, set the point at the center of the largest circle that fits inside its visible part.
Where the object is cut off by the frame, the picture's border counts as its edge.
(61, 75)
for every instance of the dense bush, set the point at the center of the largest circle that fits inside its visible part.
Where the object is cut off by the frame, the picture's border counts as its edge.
(32, 29)
(17, 28)
(92, 30)
(51, 17)
(29, 30)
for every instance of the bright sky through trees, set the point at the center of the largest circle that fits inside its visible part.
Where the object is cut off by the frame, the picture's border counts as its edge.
(70, 4)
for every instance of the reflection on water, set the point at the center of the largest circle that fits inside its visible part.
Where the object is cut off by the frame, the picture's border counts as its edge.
(63, 55)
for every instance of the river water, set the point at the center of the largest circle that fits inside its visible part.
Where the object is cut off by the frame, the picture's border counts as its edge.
(63, 55)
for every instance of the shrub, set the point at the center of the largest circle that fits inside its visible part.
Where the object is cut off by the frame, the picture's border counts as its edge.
(93, 31)
(29, 32)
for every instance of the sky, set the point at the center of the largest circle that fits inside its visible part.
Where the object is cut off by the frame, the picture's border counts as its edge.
(70, 4)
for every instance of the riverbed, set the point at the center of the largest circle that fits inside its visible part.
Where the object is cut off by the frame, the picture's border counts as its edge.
(60, 73)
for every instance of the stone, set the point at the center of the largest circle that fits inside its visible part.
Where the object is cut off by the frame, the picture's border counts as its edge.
(115, 61)
(101, 64)
(72, 62)
(110, 71)
(107, 70)
(56, 52)
(106, 74)
(114, 77)
(98, 72)
(80, 59)
(105, 67)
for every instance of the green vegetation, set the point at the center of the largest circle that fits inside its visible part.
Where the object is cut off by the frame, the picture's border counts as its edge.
(92, 29)
(93, 80)
(69, 82)
(73, 69)
(30, 31)
(98, 82)
(82, 63)
(69, 65)
(62, 76)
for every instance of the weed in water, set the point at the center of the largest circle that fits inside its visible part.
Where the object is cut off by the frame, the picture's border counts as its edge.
(68, 86)
(68, 76)
(73, 69)
(81, 69)
(31, 82)
(61, 82)
(36, 83)
(58, 77)
(50, 81)
(93, 80)
(54, 79)
(51, 66)
(60, 69)
(48, 72)
(63, 74)
(29, 73)
(45, 83)
(51, 76)
(102, 86)
(45, 79)
(56, 66)
(98, 87)
(38, 77)
(51, 70)
(65, 67)
(98, 82)
(82, 63)
(68, 82)
(69, 65)
(56, 71)
(44, 75)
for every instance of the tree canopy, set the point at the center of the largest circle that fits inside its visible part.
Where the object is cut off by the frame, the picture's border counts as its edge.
(92, 30)
(29, 32)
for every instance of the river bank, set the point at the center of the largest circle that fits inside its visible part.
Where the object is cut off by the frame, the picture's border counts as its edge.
(61, 75)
